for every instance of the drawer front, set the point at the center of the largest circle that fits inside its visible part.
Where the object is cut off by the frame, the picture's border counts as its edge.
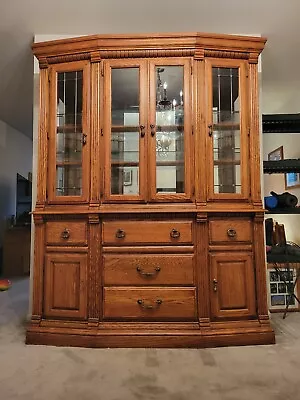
(150, 304)
(148, 269)
(230, 230)
(147, 232)
(66, 233)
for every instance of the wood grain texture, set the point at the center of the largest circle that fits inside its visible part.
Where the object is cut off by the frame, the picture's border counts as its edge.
(232, 289)
(232, 230)
(66, 286)
(148, 269)
(180, 42)
(42, 140)
(94, 272)
(96, 185)
(138, 232)
(155, 339)
(38, 273)
(66, 233)
(149, 303)
(254, 138)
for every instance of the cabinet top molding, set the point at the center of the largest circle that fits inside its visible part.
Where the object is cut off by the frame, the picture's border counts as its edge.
(174, 44)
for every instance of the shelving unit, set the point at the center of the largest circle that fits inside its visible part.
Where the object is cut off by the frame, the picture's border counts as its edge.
(281, 166)
(283, 270)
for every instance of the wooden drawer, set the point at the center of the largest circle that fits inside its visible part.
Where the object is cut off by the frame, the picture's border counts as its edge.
(149, 303)
(148, 269)
(147, 232)
(68, 233)
(230, 230)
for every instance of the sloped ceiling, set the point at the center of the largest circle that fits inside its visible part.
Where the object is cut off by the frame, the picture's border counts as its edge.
(20, 20)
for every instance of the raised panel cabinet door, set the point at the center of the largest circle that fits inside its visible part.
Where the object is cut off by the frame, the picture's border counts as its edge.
(227, 130)
(232, 285)
(125, 130)
(170, 129)
(69, 132)
(66, 286)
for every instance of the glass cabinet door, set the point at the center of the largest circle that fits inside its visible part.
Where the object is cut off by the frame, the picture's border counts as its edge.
(68, 98)
(125, 129)
(170, 130)
(227, 126)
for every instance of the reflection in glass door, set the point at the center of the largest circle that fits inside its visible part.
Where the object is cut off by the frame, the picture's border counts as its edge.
(125, 131)
(226, 130)
(169, 129)
(69, 133)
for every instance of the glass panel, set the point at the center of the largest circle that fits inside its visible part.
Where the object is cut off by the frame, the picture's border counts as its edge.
(124, 180)
(69, 134)
(226, 130)
(125, 156)
(68, 180)
(169, 130)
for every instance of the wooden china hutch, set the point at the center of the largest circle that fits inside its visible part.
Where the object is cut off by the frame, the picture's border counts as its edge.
(149, 219)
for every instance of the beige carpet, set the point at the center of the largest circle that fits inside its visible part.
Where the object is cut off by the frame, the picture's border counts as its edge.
(235, 373)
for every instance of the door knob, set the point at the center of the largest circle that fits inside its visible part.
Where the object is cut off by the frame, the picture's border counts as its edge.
(152, 130)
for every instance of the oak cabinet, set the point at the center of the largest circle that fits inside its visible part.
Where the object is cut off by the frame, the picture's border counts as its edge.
(66, 285)
(232, 285)
(149, 219)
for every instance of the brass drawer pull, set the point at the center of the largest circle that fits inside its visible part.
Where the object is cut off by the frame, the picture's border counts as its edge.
(152, 127)
(147, 274)
(175, 234)
(149, 306)
(65, 234)
(84, 136)
(142, 130)
(231, 233)
(215, 285)
(120, 234)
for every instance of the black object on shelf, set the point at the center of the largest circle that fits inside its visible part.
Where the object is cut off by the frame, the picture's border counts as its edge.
(281, 123)
(286, 199)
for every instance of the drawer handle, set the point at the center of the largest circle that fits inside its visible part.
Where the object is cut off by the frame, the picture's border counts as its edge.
(149, 306)
(147, 274)
(120, 234)
(65, 234)
(215, 285)
(231, 233)
(175, 234)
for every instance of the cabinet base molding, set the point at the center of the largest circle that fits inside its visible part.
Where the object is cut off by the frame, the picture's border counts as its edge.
(158, 338)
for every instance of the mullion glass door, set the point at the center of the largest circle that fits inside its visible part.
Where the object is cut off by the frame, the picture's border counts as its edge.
(227, 125)
(170, 130)
(126, 131)
(68, 145)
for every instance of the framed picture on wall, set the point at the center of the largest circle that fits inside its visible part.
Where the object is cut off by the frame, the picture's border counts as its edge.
(276, 154)
(292, 180)
(127, 176)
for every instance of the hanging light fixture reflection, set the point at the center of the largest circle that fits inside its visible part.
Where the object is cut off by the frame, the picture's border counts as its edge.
(169, 111)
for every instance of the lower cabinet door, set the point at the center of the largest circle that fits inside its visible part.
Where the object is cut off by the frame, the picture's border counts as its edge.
(232, 285)
(65, 286)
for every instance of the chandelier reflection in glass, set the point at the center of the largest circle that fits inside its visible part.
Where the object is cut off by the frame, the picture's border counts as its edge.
(168, 114)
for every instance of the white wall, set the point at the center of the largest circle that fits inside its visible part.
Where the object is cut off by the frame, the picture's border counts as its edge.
(15, 157)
